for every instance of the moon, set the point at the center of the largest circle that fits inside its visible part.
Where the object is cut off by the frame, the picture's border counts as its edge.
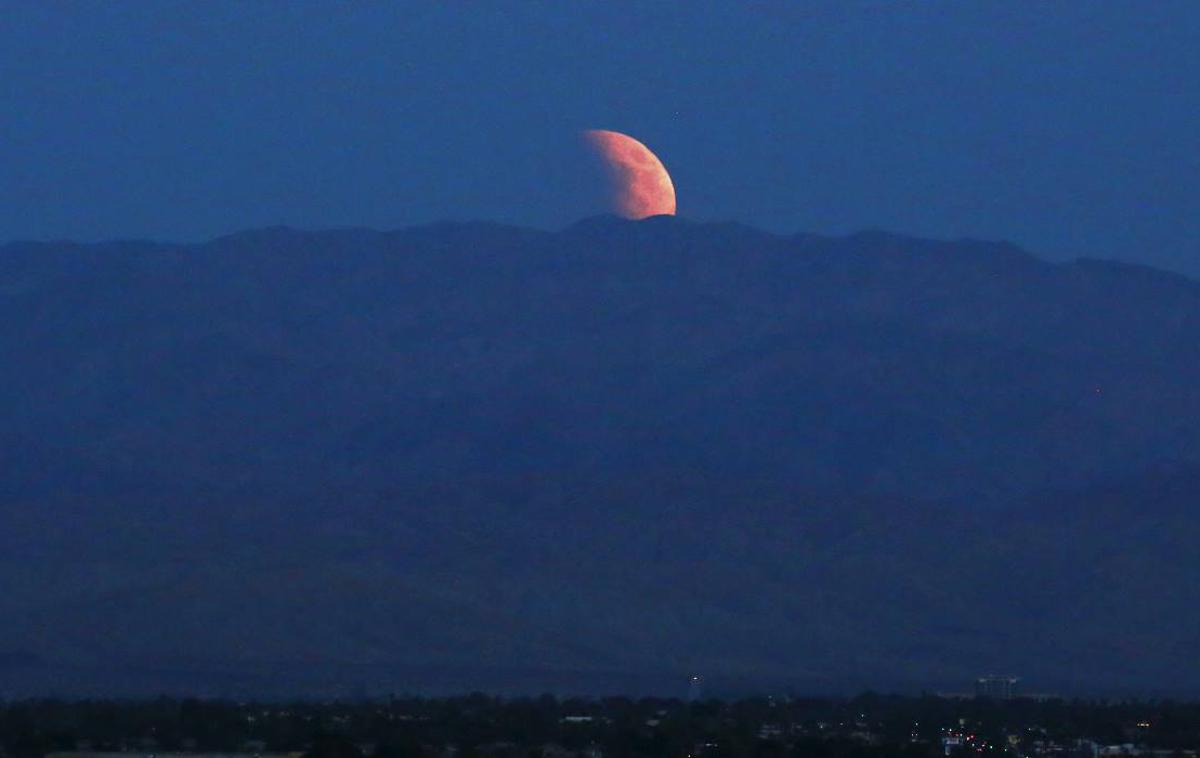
(640, 183)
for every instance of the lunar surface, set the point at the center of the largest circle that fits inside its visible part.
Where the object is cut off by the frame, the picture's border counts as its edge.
(640, 183)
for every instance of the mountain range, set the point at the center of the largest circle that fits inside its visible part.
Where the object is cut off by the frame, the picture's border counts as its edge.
(602, 459)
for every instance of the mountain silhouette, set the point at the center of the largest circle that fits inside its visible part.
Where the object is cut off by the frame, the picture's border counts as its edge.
(477, 456)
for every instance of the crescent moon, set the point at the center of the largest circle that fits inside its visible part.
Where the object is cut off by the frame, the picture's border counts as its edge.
(641, 185)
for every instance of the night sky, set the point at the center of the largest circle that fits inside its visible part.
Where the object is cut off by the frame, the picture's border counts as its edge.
(1069, 128)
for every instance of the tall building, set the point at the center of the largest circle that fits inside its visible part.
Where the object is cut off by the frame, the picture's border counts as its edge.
(995, 687)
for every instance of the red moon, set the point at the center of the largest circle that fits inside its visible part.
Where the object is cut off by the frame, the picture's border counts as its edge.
(641, 185)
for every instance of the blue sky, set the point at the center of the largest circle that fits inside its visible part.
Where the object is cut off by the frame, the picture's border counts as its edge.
(1069, 128)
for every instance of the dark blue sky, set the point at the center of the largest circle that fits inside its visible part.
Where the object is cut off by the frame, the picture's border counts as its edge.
(1070, 128)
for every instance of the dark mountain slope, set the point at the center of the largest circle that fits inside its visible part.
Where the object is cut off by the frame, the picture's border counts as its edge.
(616, 453)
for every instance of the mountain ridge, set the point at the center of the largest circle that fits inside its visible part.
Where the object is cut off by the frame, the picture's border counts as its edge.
(598, 221)
(652, 447)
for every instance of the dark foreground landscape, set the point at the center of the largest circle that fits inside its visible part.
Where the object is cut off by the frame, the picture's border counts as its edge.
(471, 456)
(547, 727)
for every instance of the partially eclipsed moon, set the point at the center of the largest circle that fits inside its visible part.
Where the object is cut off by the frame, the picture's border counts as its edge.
(641, 185)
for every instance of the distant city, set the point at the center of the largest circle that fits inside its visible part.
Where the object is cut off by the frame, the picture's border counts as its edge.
(996, 721)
